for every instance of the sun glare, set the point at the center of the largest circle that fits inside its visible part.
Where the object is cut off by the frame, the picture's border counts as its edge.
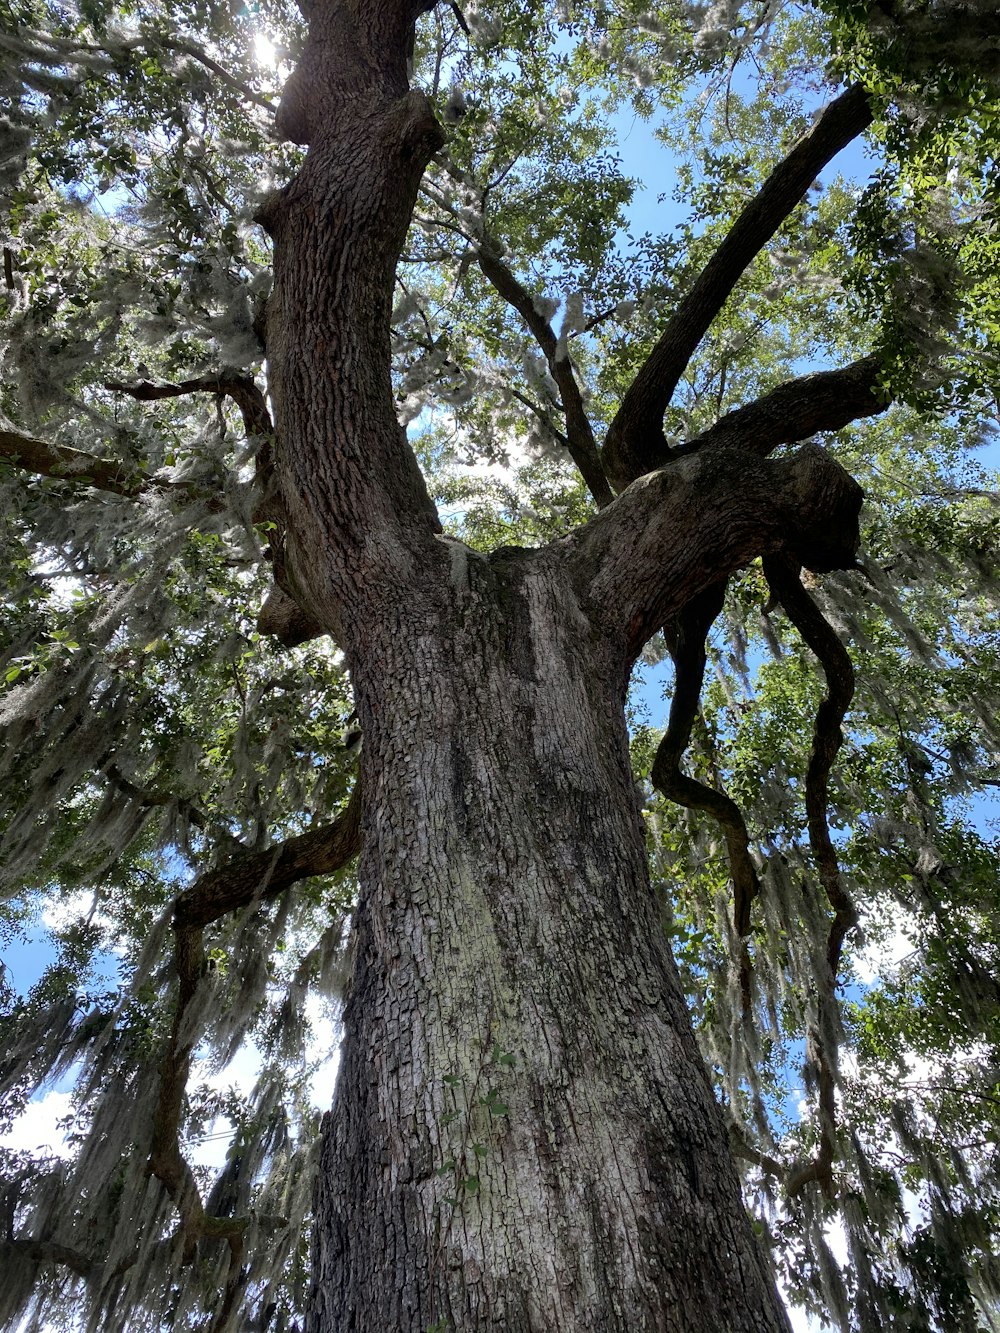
(265, 51)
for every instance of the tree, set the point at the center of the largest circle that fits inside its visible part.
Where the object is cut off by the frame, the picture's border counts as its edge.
(523, 1135)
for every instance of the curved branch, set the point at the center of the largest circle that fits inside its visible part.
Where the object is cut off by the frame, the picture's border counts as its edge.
(188, 48)
(685, 637)
(783, 579)
(242, 389)
(234, 884)
(580, 442)
(820, 636)
(120, 478)
(635, 443)
(151, 799)
(243, 880)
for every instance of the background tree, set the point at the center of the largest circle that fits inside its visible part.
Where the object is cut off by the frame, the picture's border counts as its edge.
(221, 573)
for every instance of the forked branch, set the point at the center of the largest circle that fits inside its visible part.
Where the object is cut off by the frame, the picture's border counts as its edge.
(635, 444)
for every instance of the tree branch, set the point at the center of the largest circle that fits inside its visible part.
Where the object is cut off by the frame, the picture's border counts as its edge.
(59, 460)
(269, 873)
(635, 443)
(691, 523)
(195, 52)
(242, 389)
(685, 636)
(48, 1252)
(783, 579)
(237, 884)
(580, 442)
(819, 634)
(824, 401)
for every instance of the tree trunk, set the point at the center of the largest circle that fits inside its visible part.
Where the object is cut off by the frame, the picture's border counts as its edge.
(523, 1135)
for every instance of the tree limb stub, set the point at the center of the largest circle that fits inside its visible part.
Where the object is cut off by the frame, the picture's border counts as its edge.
(685, 636)
(635, 443)
(239, 883)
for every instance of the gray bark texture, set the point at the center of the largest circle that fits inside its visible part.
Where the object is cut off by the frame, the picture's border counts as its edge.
(507, 909)
(524, 1136)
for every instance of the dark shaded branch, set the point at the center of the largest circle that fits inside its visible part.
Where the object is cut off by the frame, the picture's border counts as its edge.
(739, 1147)
(242, 389)
(281, 614)
(819, 635)
(580, 442)
(48, 1252)
(635, 443)
(685, 636)
(151, 799)
(120, 478)
(542, 416)
(243, 880)
(269, 873)
(797, 409)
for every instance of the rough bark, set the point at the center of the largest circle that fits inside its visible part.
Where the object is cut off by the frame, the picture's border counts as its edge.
(524, 1137)
(506, 910)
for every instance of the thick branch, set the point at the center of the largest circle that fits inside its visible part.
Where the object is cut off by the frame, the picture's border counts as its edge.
(120, 478)
(269, 873)
(635, 443)
(686, 640)
(59, 460)
(580, 440)
(281, 616)
(48, 1252)
(151, 799)
(797, 409)
(690, 524)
